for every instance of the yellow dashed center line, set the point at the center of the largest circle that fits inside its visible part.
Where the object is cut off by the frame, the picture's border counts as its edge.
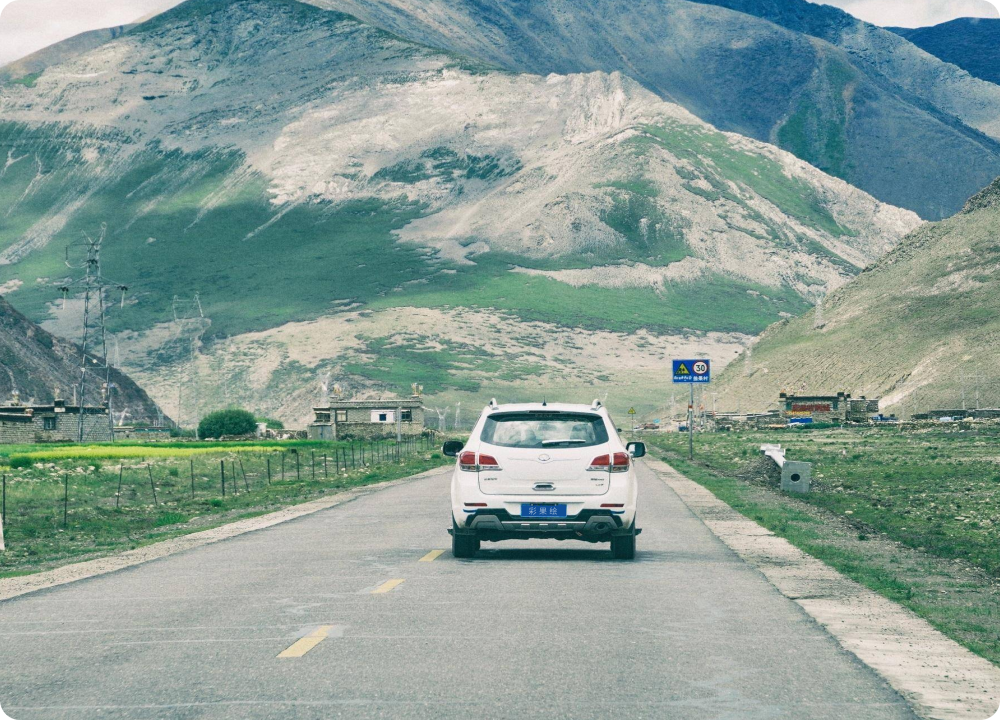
(432, 556)
(387, 586)
(301, 647)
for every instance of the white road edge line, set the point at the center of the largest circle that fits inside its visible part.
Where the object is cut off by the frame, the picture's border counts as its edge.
(938, 677)
(17, 586)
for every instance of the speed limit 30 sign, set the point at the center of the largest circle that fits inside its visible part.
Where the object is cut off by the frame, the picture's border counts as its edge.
(692, 371)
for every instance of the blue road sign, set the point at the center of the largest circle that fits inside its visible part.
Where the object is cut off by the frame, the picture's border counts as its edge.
(692, 371)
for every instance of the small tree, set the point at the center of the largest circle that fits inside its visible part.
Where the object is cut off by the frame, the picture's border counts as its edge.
(227, 422)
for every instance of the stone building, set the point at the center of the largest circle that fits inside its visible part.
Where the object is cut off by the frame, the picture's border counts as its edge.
(342, 419)
(837, 408)
(57, 422)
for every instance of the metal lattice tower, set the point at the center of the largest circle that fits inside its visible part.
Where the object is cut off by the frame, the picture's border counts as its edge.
(85, 255)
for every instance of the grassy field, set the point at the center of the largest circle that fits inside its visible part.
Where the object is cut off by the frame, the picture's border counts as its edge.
(76, 503)
(913, 515)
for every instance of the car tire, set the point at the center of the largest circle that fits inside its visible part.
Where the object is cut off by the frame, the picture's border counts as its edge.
(623, 546)
(463, 546)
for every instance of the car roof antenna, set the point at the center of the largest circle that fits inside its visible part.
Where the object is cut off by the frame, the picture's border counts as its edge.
(544, 404)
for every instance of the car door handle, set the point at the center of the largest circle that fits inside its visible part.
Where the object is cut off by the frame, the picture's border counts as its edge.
(544, 486)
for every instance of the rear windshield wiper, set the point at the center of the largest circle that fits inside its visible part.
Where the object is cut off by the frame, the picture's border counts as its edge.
(547, 443)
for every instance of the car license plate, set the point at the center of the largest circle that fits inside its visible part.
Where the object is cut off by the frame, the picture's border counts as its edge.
(532, 510)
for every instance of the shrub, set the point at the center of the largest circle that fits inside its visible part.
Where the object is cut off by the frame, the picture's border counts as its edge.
(227, 422)
(21, 461)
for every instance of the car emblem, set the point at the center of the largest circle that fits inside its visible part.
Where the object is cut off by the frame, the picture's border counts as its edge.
(544, 458)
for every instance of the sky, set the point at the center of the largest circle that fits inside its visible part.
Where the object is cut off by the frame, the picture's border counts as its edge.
(29, 25)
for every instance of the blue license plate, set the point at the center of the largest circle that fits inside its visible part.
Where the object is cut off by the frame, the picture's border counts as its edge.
(531, 510)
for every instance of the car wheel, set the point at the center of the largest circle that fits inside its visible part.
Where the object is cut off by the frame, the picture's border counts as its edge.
(623, 546)
(463, 546)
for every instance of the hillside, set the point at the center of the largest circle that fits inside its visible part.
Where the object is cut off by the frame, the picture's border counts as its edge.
(38, 365)
(969, 43)
(920, 328)
(855, 101)
(325, 168)
(28, 68)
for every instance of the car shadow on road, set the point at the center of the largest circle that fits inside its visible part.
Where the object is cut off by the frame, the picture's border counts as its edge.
(598, 553)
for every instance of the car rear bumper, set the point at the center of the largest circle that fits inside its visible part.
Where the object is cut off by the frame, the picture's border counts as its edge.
(589, 525)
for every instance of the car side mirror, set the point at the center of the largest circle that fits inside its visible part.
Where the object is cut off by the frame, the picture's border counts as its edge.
(453, 447)
(636, 449)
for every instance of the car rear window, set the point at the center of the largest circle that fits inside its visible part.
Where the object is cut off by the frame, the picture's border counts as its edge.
(544, 430)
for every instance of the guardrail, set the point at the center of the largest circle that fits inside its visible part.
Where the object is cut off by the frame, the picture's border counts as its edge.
(795, 476)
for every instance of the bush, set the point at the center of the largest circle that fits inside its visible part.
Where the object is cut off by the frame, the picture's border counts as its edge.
(226, 423)
(21, 461)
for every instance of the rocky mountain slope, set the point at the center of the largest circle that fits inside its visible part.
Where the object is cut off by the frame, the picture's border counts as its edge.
(920, 328)
(969, 43)
(38, 365)
(291, 164)
(28, 68)
(854, 100)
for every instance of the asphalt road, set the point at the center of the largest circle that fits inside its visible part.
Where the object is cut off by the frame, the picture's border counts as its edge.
(524, 630)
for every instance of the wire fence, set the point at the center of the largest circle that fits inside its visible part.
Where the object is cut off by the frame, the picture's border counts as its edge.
(98, 503)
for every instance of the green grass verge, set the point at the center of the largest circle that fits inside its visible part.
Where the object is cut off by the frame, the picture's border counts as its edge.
(65, 511)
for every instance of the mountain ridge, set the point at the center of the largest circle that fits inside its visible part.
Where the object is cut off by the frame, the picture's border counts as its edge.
(348, 176)
(832, 105)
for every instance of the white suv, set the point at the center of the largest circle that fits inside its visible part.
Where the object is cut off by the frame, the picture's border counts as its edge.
(544, 471)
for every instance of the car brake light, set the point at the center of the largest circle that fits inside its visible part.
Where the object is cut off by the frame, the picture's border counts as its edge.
(601, 462)
(467, 461)
(620, 462)
(488, 462)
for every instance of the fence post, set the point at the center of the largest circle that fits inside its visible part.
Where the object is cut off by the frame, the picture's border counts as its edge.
(326, 473)
(3, 514)
(232, 471)
(282, 465)
(149, 469)
(192, 477)
(312, 454)
(118, 497)
(222, 470)
(354, 465)
(65, 498)
(268, 469)
(298, 474)
(244, 474)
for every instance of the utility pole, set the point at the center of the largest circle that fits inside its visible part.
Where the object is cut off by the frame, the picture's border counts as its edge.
(86, 255)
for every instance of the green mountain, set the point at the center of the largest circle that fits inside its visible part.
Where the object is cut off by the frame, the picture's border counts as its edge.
(854, 100)
(349, 203)
(919, 328)
(969, 43)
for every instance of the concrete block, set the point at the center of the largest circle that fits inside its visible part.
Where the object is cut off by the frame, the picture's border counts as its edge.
(796, 477)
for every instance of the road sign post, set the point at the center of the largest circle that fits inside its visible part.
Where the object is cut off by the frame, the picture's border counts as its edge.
(692, 372)
(631, 413)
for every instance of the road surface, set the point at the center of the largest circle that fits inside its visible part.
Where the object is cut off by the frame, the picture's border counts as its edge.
(351, 613)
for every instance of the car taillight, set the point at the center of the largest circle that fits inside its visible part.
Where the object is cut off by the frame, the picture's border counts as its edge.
(488, 462)
(620, 462)
(467, 461)
(601, 462)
